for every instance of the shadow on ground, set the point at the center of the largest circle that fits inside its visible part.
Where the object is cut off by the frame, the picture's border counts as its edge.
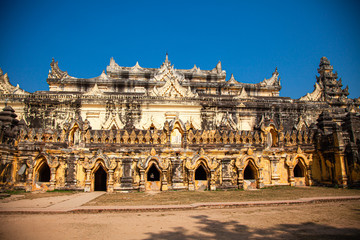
(213, 229)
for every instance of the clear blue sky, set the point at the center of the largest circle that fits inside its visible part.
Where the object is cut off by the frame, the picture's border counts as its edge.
(250, 38)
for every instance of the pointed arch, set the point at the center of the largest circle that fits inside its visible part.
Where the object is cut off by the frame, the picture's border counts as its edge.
(112, 122)
(99, 176)
(299, 170)
(201, 173)
(153, 176)
(74, 134)
(43, 173)
(100, 179)
(153, 173)
(299, 167)
(250, 172)
(177, 130)
(274, 137)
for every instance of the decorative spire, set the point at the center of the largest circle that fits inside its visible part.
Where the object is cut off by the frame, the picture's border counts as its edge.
(232, 80)
(332, 88)
(55, 72)
(167, 63)
(217, 69)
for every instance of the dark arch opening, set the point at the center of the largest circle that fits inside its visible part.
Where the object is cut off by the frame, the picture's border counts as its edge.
(44, 173)
(249, 172)
(298, 171)
(200, 173)
(153, 174)
(100, 179)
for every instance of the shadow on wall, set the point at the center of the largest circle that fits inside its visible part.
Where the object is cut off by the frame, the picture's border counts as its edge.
(213, 229)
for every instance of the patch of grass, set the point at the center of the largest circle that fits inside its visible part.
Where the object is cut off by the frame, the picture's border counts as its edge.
(15, 192)
(60, 191)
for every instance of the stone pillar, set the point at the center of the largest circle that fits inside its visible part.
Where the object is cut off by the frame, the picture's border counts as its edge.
(275, 176)
(191, 180)
(226, 174)
(340, 169)
(110, 185)
(70, 181)
(340, 165)
(29, 180)
(291, 176)
(164, 184)
(260, 180)
(177, 174)
(240, 179)
(212, 180)
(126, 180)
(309, 176)
(142, 180)
(87, 181)
(52, 178)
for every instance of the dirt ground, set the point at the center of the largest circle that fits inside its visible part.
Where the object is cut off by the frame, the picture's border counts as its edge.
(332, 220)
(188, 197)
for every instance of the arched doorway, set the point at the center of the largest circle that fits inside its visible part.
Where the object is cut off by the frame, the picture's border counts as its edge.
(200, 173)
(299, 174)
(44, 173)
(250, 176)
(153, 174)
(201, 178)
(153, 178)
(100, 179)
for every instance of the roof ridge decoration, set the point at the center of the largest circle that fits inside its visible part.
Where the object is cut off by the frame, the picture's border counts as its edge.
(103, 76)
(242, 94)
(137, 68)
(227, 121)
(273, 81)
(195, 69)
(172, 87)
(6, 87)
(314, 96)
(55, 72)
(218, 68)
(232, 80)
(95, 91)
(112, 120)
(113, 65)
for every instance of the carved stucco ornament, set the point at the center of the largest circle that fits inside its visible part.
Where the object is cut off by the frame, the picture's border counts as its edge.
(110, 163)
(143, 163)
(314, 96)
(273, 81)
(95, 91)
(6, 87)
(56, 73)
(50, 160)
(172, 87)
(193, 163)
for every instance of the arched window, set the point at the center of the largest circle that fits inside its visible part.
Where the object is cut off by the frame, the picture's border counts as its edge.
(44, 173)
(298, 170)
(274, 137)
(74, 136)
(153, 174)
(200, 173)
(176, 136)
(249, 172)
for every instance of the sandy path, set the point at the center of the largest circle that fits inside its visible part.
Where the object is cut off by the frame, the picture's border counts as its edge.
(339, 220)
